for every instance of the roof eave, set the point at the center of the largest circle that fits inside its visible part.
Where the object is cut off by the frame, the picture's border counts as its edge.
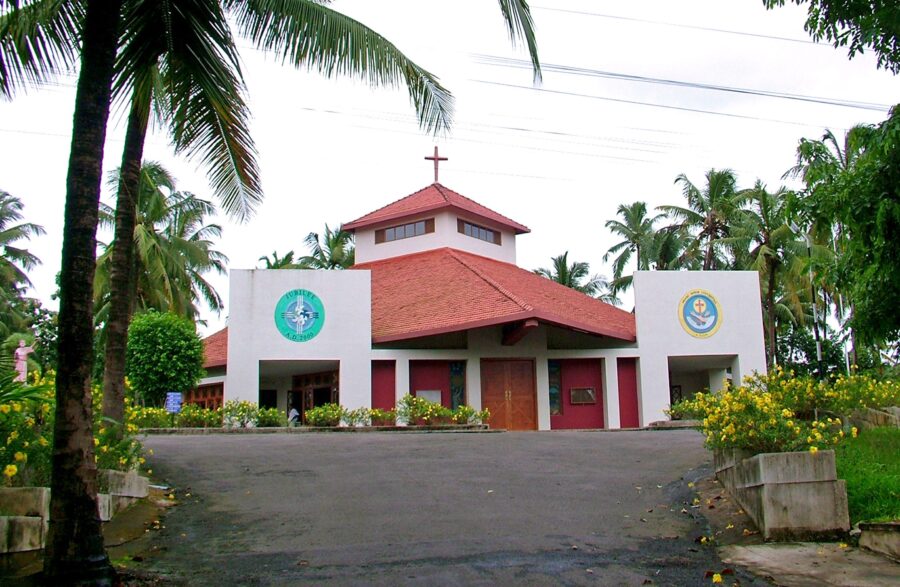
(359, 223)
(545, 317)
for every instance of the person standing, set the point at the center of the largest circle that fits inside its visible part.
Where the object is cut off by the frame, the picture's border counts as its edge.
(293, 416)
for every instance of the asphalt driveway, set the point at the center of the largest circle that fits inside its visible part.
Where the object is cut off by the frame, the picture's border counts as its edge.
(566, 508)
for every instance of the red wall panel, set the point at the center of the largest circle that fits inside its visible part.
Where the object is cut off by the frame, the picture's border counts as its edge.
(384, 379)
(579, 373)
(628, 400)
(429, 375)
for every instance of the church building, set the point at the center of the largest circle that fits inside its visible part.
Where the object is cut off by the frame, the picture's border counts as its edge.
(436, 307)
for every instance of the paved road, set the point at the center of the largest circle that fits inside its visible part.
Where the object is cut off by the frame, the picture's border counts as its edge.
(563, 508)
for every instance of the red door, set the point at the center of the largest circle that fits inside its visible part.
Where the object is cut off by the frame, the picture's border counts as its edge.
(628, 401)
(384, 379)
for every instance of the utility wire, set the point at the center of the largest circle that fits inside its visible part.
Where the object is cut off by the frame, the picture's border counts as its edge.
(651, 104)
(680, 26)
(585, 72)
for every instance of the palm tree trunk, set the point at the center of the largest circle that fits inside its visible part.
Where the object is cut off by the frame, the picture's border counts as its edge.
(770, 308)
(75, 551)
(121, 274)
(708, 258)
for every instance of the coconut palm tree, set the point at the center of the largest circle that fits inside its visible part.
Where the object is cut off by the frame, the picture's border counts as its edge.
(577, 276)
(14, 261)
(334, 250)
(638, 233)
(276, 262)
(710, 212)
(764, 241)
(819, 164)
(174, 250)
(87, 32)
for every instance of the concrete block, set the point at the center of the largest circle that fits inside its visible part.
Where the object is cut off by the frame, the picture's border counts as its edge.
(788, 467)
(869, 418)
(128, 484)
(882, 538)
(121, 502)
(104, 507)
(25, 501)
(21, 533)
(789, 496)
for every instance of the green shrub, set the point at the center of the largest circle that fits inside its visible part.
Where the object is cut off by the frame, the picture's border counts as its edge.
(271, 418)
(416, 410)
(357, 417)
(239, 414)
(164, 354)
(325, 415)
(191, 416)
(685, 410)
(379, 417)
(463, 415)
(26, 437)
(779, 412)
(871, 466)
(152, 418)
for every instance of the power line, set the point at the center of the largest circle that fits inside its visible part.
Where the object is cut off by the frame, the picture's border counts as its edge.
(651, 104)
(585, 72)
(681, 26)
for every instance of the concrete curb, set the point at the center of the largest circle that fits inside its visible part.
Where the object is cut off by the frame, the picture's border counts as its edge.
(469, 428)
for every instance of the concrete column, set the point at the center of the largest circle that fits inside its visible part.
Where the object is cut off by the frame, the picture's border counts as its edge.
(653, 387)
(473, 383)
(717, 379)
(401, 378)
(542, 385)
(610, 374)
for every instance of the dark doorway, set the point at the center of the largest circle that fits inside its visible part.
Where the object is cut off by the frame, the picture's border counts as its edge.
(321, 396)
(313, 390)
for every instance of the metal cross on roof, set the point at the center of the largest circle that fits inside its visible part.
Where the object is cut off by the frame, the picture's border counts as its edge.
(436, 159)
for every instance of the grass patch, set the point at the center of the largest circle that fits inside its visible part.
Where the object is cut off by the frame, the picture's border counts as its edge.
(870, 464)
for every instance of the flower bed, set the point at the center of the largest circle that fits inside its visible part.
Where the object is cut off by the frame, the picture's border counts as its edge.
(779, 413)
(772, 438)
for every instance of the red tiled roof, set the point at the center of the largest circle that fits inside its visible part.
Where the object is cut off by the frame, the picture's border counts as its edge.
(447, 290)
(433, 197)
(215, 349)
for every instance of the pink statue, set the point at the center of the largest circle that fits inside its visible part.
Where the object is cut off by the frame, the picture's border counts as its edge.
(21, 357)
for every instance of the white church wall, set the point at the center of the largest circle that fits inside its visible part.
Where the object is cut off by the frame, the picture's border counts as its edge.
(367, 250)
(505, 251)
(345, 334)
(738, 330)
(446, 234)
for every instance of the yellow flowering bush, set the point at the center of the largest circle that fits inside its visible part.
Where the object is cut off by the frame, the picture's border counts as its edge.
(26, 437)
(778, 412)
(145, 417)
(26, 429)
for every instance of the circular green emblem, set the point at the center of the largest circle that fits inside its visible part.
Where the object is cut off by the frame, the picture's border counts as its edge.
(299, 315)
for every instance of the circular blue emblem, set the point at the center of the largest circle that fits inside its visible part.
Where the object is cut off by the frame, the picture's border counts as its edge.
(299, 315)
(699, 313)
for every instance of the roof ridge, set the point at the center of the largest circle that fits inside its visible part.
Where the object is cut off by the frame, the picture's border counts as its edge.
(477, 203)
(389, 204)
(440, 188)
(487, 279)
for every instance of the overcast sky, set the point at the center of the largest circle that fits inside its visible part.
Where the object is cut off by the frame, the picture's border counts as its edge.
(559, 158)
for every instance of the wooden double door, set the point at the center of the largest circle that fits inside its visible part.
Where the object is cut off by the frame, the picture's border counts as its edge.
(508, 391)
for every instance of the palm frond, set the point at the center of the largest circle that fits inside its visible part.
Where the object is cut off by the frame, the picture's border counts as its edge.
(308, 34)
(38, 41)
